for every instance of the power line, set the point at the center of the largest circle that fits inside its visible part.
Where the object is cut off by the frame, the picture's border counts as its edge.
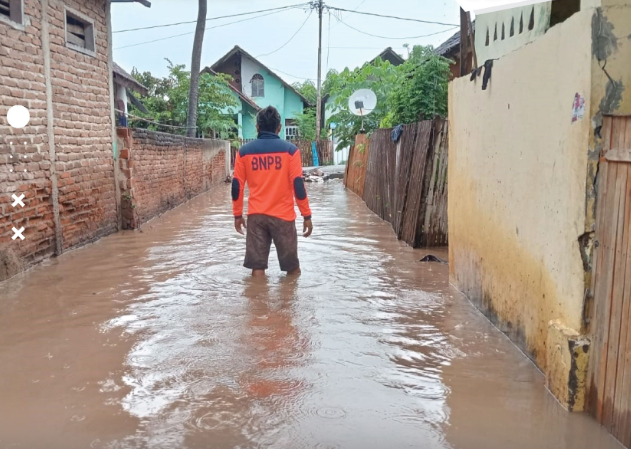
(290, 39)
(214, 18)
(328, 44)
(193, 32)
(389, 37)
(392, 17)
(293, 76)
(356, 8)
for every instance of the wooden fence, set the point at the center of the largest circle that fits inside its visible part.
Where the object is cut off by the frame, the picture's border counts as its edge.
(323, 147)
(405, 183)
(356, 165)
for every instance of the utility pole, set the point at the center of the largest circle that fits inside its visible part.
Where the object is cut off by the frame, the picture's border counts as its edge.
(320, 5)
(193, 95)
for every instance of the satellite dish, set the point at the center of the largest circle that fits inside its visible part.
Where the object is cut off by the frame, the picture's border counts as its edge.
(362, 102)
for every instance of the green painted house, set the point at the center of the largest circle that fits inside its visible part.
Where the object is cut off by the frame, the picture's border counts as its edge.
(256, 87)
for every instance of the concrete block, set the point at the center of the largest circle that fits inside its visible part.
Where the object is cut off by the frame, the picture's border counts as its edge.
(567, 359)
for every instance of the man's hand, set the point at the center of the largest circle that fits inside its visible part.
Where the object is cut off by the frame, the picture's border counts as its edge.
(307, 228)
(239, 225)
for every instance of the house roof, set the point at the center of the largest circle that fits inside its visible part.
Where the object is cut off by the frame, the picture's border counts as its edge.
(125, 79)
(390, 55)
(241, 95)
(452, 45)
(238, 49)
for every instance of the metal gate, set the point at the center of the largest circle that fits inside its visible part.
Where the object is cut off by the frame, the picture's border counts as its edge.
(610, 364)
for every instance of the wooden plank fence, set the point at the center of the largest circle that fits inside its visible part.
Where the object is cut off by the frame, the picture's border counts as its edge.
(609, 397)
(404, 183)
(356, 165)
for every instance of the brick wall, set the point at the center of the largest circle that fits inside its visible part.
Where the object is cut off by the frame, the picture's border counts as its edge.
(83, 127)
(22, 81)
(82, 132)
(160, 171)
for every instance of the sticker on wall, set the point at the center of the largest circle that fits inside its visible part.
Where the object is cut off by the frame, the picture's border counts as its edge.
(578, 108)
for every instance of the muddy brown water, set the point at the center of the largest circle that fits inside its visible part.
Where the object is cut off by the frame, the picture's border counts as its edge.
(159, 339)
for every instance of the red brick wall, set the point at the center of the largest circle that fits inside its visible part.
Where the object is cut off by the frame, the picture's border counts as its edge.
(161, 171)
(82, 129)
(22, 81)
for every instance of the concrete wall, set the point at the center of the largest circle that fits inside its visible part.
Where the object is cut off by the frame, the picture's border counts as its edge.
(69, 182)
(517, 183)
(161, 171)
(293, 105)
(500, 47)
(249, 123)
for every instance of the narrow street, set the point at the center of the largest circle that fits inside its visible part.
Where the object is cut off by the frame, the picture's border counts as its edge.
(159, 339)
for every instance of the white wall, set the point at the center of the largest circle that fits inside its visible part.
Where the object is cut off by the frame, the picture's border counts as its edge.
(498, 48)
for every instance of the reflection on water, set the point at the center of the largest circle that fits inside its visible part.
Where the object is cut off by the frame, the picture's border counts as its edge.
(160, 339)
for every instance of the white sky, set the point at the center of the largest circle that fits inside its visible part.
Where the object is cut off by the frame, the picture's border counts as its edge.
(266, 34)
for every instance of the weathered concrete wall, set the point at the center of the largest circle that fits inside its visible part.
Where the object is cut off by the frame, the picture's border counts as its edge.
(611, 81)
(517, 184)
(161, 171)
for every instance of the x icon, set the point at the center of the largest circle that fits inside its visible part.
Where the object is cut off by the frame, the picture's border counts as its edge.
(18, 233)
(18, 200)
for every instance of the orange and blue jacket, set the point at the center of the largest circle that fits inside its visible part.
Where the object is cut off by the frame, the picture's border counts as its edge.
(272, 168)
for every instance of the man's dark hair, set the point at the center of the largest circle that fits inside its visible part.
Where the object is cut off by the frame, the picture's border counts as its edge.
(268, 119)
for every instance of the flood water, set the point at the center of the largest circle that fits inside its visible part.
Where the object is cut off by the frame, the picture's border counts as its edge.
(159, 339)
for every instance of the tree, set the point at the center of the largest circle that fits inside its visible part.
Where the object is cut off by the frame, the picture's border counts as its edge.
(306, 120)
(195, 68)
(308, 90)
(415, 90)
(422, 92)
(167, 102)
(380, 77)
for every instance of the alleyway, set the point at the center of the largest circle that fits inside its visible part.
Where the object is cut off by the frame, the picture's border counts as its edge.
(160, 340)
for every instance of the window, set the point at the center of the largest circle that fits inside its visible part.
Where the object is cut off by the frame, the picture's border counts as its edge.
(531, 22)
(79, 33)
(12, 10)
(258, 86)
(512, 27)
(291, 132)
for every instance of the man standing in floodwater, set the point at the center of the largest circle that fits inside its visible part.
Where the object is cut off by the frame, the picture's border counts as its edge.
(272, 168)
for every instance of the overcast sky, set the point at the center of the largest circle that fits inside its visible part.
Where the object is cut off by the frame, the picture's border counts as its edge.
(342, 45)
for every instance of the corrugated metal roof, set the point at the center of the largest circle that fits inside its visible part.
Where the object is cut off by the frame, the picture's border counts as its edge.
(131, 81)
(452, 45)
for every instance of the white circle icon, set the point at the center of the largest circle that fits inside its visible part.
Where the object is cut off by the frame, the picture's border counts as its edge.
(18, 116)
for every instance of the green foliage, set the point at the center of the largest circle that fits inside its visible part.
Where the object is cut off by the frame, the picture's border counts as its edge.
(306, 121)
(413, 91)
(422, 92)
(380, 77)
(167, 102)
(308, 90)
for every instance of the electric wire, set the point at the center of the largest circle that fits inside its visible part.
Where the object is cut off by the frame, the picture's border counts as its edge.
(393, 38)
(290, 39)
(391, 17)
(300, 5)
(193, 32)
